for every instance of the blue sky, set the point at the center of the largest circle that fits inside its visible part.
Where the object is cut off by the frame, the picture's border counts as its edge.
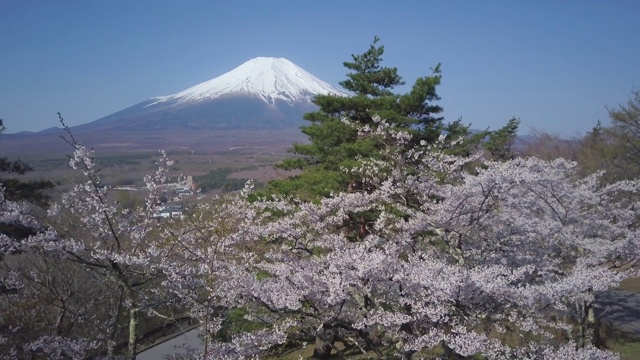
(553, 64)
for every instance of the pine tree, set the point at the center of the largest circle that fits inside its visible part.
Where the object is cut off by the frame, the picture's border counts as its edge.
(335, 144)
(625, 130)
(596, 132)
(472, 139)
(500, 142)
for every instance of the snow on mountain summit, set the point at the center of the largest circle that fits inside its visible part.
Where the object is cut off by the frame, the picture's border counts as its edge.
(267, 78)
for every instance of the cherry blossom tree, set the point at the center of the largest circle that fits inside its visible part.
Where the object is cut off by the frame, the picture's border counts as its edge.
(118, 247)
(424, 259)
(38, 306)
(427, 257)
(99, 266)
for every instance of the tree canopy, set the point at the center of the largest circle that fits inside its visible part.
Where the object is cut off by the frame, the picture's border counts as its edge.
(500, 142)
(335, 144)
(625, 130)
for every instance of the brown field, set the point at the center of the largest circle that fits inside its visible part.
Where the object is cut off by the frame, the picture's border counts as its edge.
(124, 158)
(256, 143)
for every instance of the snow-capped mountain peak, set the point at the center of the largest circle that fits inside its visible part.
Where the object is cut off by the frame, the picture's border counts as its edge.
(267, 78)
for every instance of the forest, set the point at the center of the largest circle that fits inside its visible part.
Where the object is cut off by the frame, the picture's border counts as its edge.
(400, 236)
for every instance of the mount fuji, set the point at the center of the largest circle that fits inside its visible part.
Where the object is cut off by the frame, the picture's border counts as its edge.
(262, 93)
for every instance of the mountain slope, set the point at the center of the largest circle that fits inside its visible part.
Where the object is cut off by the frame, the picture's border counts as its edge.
(263, 92)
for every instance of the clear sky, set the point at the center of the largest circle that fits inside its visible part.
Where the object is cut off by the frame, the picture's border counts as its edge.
(554, 64)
